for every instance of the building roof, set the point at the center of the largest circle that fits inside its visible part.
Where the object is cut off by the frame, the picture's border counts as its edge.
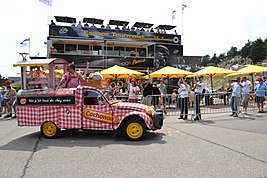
(40, 62)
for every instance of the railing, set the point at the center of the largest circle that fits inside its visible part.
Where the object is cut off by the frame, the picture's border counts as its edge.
(209, 103)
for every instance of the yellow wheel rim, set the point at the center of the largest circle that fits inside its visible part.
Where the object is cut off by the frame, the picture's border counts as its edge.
(49, 129)
(134, 130)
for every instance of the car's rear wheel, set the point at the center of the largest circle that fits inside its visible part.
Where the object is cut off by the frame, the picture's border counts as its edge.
(49, 129)
(134, 129)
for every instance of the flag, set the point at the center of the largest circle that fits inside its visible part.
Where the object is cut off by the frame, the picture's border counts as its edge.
(183, 6)
(173, 17)
(47, 2)
(24, 42)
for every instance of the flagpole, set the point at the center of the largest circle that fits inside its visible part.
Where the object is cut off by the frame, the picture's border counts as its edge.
(29, 46)
(183, 6)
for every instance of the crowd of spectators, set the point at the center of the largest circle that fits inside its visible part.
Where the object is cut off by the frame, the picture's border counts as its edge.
(8, 100)
(124, 27)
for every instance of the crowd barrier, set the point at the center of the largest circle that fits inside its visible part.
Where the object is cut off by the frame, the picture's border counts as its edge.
(209, 103)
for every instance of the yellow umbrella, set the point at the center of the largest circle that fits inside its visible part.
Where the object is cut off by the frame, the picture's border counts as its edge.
(212, 71)
(119, 72)
(170, 72)
(250, 70)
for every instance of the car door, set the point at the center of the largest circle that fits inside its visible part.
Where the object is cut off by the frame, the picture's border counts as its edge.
(96, 112)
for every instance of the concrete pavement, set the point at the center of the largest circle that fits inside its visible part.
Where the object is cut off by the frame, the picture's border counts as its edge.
(217, 146)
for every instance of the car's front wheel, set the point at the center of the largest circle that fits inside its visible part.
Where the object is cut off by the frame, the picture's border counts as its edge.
(134, 129)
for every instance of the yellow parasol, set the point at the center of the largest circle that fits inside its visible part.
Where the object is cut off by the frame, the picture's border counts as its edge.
(212, 71)
(170, 72)
(250, 70)
(119, 72)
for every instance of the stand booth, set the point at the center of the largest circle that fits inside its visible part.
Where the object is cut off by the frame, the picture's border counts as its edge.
(41, 73)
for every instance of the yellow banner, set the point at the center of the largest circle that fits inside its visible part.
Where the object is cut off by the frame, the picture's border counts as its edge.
(100, 116)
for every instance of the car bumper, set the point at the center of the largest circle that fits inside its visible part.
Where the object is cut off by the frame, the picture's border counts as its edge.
(158, 118)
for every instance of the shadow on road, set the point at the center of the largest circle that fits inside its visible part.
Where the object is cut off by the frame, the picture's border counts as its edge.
(72, 138)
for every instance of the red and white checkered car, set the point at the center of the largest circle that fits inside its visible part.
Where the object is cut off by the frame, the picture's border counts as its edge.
(85, 108)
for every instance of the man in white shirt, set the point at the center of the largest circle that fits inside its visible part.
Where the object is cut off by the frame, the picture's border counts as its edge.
(237, 89)
(183, 92)
(199, 87)
(247, 87)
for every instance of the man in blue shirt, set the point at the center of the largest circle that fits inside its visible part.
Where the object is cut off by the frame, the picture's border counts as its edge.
(260, 90)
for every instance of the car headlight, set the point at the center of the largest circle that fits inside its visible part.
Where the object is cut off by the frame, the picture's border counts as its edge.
(150, 110)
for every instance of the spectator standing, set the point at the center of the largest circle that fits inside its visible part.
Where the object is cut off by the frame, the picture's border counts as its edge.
(237, 89)
(108, 27)
(163, 89)
(73, 24)
(79, 25)
(123, 27)
(260, 90)
(1, 102)
(147, 92)
(175, 97)
(222, 94)
(132, 28)
(133, 91)
(155, 95)
(247, 87)
(93, 25)
(183, 92)
(86, 25)
(229, 91)
(71, 78)
(11, 96)
(199, 87)
(52, 22)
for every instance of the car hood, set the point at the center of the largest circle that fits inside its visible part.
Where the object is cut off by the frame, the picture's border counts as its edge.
(131, 106)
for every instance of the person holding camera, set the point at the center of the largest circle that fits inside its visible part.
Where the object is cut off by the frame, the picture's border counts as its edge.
(199, 87)
(183, 92)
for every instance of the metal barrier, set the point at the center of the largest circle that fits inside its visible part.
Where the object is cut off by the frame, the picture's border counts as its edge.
(209, 103)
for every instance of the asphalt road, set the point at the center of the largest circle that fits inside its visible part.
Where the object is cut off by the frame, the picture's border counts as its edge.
(218, 146)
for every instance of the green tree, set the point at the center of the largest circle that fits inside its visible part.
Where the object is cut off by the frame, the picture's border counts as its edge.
(221, 57)
(205, 60)
(257, 51)
(233, 52)
(245, 51)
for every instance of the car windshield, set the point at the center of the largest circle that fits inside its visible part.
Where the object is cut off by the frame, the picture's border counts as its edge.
(110, 97)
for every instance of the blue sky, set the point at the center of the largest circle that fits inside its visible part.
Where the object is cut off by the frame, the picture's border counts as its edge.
(208, 26)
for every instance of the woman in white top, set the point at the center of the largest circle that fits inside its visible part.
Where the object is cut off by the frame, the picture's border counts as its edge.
(183, 92)
(133, 91)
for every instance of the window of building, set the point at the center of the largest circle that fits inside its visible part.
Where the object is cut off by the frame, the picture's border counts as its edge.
(119, 50)
(71, 48)
(83, 49)
(97, 50)
(141, 52)
(59, 47)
